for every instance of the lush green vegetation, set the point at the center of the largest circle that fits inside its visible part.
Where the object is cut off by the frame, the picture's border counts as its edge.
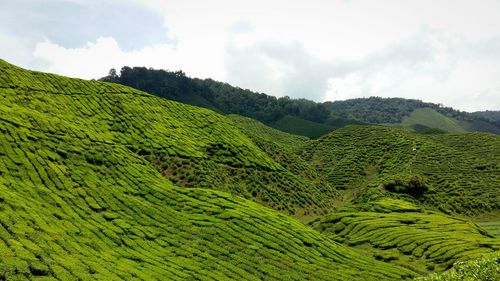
(485, 269)
(402, 233)
(372, 166)
(378, 110)
(297, 116)
(81, 196)
(219, 96)
(285, 148)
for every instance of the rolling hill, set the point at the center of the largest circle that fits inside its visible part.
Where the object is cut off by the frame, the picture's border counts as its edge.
(394, 222)
(81, 195)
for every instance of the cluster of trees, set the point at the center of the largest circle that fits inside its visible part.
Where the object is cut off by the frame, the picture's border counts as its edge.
(218, 96)
(379, 110)
(489, 115)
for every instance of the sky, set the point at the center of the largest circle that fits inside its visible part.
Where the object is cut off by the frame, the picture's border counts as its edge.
(444, 52)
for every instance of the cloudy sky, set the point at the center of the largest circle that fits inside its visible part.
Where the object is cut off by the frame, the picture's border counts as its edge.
(439, 51)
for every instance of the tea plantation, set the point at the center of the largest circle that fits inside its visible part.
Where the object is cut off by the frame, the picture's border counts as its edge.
(99, 181)
(82, 198)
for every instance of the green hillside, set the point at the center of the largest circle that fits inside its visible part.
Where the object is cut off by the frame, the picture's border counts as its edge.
(397, 231)
(81, 195)
(193, 147)
(423, 118)
(449, 172)
(285, 148)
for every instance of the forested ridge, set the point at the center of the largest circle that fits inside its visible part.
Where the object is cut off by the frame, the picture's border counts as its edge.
(276, 112)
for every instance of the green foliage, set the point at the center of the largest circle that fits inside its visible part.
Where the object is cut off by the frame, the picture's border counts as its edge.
(284, 149)
(218, 96)
(415, 186)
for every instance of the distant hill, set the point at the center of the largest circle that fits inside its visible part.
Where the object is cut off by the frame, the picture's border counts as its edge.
(491, 116)
(414, 114)
(298, 116)
(299, 126)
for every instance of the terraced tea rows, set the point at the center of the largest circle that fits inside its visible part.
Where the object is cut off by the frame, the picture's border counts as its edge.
(79, 198)
(408, 236)
(453, 172)
(284, 149)
(191, 146)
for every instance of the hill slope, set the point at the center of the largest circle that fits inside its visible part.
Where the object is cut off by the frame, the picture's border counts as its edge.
(426, 118)
(80, 197)
(451, 172)
(392, 230)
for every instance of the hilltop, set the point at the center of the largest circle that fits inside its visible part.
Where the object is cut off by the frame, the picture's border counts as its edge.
(300, 116)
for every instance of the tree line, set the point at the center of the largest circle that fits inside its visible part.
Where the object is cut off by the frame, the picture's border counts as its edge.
(227, 99)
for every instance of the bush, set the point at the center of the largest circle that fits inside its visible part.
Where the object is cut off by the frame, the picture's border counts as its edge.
(414, 185)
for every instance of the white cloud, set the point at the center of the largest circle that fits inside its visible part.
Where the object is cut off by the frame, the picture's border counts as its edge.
(95, 59)
(440, 51)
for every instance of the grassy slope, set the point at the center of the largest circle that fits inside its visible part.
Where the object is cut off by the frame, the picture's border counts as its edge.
(429, 117)
(79, 197)
(461, 171)
(192, 150)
